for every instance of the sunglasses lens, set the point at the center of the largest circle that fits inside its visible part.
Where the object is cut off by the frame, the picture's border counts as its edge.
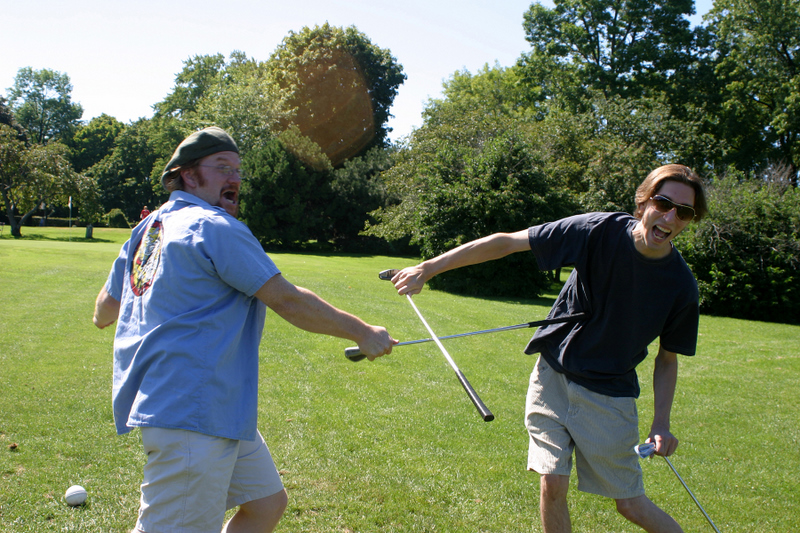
(684, 213)
(664, 206)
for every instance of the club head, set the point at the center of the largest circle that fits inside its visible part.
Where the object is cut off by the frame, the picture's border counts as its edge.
(387, 275)
(354, 354)
(645, 450)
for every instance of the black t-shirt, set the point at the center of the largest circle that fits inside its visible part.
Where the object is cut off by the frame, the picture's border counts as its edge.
(631, 301)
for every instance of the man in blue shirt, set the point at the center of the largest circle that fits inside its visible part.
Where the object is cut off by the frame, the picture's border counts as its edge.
(634, 286)
(189, 291)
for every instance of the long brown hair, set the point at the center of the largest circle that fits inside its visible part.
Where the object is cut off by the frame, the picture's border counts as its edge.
(653, 182)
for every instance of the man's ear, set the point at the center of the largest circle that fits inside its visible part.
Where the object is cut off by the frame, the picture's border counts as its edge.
(189, 178)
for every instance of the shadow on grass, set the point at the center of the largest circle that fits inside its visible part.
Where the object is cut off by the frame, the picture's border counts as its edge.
(54, 238)
(544, 300)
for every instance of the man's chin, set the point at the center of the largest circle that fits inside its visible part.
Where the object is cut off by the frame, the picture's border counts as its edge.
(231, 209)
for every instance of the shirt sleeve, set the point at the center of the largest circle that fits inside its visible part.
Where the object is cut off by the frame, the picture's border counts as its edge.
(680, 332)
(117, 275)
(561, 243)
(238, 257)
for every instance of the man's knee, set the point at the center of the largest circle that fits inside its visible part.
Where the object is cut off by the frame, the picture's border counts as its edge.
(275, 504)
(266, 510)
(638, 510)
(554, 487)
(630, 508)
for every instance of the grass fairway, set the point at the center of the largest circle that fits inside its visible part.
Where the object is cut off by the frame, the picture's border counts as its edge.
(389, 446)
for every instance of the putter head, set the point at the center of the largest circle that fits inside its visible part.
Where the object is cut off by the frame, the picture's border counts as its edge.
(387, 275)
(645, 450)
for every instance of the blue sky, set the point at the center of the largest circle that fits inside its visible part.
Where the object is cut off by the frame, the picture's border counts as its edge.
(122, 57)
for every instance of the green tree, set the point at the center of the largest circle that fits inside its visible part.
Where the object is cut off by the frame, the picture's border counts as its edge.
(199, 75)
(94, 141)
(245, 102)
(32, 178)
(129, 177)
(284, 199)
(625, 47)
(357, 189)
(42, 103)
(340, 87)
(7, 118)
(87, 195)
(758, 42)
(236, 95)
(603, 153)
(13, 167)
(469, 171)
(746, 253)
(496, 90)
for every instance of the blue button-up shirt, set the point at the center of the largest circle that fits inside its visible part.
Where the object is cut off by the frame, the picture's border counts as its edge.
(186, 344)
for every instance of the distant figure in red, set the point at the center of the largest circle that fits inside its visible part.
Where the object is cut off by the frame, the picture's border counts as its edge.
(144, 213)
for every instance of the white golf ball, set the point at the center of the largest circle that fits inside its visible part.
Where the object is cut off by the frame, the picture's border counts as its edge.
(75, 495)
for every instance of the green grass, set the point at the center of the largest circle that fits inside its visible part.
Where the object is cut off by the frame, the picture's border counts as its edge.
(388, 446)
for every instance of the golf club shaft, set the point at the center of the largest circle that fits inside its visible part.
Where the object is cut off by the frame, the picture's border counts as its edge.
(479, 405)
(690, 494)
(354, 354)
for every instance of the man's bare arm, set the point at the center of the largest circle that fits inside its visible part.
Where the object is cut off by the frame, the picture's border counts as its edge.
(305, 310)
(106, 309)
(498, 245)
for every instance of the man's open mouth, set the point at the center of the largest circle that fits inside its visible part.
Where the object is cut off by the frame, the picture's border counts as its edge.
(661, 232)
(231, 196)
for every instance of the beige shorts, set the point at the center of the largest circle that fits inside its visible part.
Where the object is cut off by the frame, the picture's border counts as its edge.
(562, 416)
(192, 479)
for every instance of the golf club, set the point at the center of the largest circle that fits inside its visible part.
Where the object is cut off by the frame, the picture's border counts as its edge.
(646, 450)
(354, 353)
(476, 401)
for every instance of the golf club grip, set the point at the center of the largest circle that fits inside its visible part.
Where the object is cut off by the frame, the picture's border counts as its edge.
(473, 396)
(354, 353)
(484, 411)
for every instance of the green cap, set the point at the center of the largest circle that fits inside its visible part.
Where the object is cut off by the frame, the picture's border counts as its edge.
(198, 145)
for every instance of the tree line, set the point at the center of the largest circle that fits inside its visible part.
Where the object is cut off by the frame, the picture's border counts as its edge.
(606, 92)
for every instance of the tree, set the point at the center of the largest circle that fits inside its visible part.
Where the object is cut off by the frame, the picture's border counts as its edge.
(758, 43)
(236, 95)
(284, 199)
(7, 118)
(244, 101)
(129, 177)
(469, 171)
(340, 87)
(496, 90)
(199, 75)
(13, 165)
(746, 253)
(32, 178)
(357, 189)
(603, 153)
(87, 195)
(94, 141)
(42, 103)
(625, 47)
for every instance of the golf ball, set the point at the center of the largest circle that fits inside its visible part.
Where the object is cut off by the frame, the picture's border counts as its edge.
(75, 495)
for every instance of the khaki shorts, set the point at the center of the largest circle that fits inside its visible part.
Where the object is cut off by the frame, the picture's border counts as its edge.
(192, 479)
(562, 416)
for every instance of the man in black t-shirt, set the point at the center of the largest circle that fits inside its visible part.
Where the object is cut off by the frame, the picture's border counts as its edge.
(635, 287)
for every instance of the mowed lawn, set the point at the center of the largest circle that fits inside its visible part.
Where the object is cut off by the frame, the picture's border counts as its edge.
(389, 446)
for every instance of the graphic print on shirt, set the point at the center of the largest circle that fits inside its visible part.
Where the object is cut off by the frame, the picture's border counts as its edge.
(146, 259)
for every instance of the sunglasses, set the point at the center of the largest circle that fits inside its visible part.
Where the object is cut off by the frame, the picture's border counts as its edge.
(665, 205)
(227, 170)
